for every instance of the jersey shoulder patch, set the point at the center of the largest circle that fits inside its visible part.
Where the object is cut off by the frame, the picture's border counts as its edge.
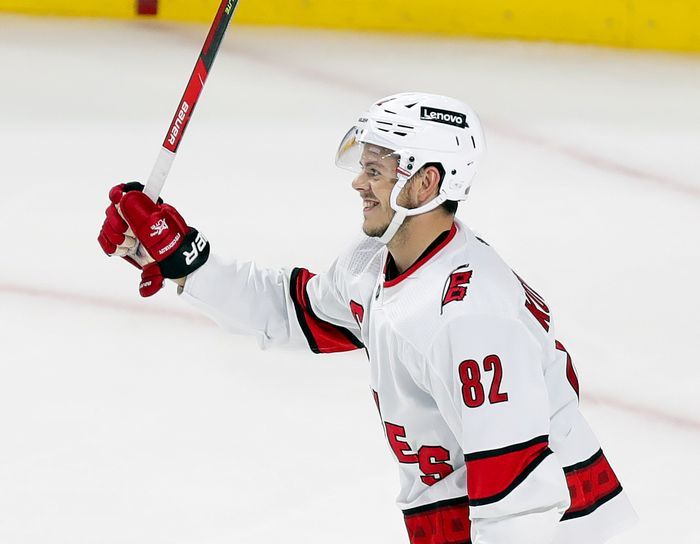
(482, 284)
(456, 285)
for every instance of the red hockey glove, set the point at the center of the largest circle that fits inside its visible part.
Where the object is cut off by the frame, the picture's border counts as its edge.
(174, 249)
(116, 238)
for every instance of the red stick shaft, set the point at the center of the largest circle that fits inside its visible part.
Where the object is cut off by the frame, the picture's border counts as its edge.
(189, 100)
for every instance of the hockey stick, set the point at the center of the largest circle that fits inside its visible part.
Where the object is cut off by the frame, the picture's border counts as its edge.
(165, 160)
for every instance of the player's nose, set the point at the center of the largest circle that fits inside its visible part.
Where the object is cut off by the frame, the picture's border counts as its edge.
(360, 183)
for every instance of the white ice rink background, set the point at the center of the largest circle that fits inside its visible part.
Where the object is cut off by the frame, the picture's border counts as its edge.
(135, 421)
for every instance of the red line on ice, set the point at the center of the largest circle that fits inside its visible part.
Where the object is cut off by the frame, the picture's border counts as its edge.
(107, 303)
(102, 303)
(643, 411)
(508, 131)
(345, 84)
(589, 159)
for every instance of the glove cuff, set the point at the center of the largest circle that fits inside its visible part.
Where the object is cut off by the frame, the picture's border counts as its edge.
(192, 253)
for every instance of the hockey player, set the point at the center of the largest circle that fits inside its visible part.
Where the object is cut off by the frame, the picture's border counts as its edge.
(477, 394)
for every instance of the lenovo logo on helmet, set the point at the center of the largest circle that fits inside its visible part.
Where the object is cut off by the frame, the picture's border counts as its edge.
(444, 116)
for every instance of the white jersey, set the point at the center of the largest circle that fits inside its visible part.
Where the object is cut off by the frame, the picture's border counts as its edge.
(477, 395)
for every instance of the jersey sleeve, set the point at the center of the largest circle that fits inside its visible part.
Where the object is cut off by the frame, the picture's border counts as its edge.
(281, 307)
(485, 374)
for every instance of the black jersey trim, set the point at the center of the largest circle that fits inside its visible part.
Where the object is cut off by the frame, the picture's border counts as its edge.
(298, 308)
(592, 508)
(303, 311)
(516, 482)
(508, 449)
(459, 501)
(392, 272)
(583, 464)
(433, 249)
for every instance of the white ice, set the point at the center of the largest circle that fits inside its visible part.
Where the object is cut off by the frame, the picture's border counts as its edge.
(130, 421)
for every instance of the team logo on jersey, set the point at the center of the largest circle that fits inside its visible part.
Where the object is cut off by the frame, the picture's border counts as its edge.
(456, 286)
(159, 227)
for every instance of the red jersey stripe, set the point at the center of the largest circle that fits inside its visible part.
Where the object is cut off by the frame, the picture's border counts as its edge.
(444, 522)
(323, 337)
(492, 474)
(591, 484)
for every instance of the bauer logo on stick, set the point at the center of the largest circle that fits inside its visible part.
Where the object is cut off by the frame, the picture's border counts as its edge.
(178, 122)
(444, 116)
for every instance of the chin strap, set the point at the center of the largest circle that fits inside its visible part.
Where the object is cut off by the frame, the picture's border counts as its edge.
(393, 228)
(401, 213)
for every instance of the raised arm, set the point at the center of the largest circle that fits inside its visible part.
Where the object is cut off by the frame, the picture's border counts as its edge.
(292, 308)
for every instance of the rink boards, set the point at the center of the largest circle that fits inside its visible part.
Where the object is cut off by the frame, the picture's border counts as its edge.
(655, 24)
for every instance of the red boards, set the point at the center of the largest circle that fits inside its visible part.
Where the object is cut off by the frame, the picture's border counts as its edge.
(147, 7)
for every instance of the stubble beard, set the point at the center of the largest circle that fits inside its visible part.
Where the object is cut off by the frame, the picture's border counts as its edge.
(377, 231)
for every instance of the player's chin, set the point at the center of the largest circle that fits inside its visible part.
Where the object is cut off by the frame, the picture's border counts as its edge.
(374, 229)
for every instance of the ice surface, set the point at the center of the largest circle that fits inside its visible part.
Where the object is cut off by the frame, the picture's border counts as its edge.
(125, 420)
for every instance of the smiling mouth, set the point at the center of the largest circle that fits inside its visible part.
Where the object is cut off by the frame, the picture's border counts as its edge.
(368, 205)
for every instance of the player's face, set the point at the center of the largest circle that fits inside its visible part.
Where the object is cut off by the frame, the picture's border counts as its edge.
(374, 184)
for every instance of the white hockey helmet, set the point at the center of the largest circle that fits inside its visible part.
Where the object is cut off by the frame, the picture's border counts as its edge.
(419, 129)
